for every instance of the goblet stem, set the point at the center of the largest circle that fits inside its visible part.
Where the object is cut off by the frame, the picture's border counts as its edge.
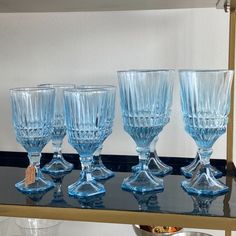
(57, 150)
(188, 170)
(99, 171)
(38, 184)
(144, 154)
(34, 159)
(86, 164)
(58, 165)
(154, 163)
(203, 181)
(142, 180)
(86, 186)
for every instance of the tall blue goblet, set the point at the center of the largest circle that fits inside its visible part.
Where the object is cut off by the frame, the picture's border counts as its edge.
(58, 165)
(205, 102)
(32, 114)
(146, 98)
(86, 123)
(99, 171)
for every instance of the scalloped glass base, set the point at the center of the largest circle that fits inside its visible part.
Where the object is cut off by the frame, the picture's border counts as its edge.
(156, 167)
(142, 181)
(57, 166)
(188, 170)
(204, 183)
(100, 172)
(40, 185)
(85, 189)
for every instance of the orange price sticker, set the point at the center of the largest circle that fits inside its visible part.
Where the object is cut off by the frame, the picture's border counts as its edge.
(29, 175)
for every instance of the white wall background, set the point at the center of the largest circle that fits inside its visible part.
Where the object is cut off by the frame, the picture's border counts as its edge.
(89, 47)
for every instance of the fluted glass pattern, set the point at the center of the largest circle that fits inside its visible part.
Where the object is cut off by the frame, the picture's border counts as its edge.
(58, 165)
(145, 98)
(99, 170)
(205, 101)
(32, 115)
(86, 123)
(32, 112)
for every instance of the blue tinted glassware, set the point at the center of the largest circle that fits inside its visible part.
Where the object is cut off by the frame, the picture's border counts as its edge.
(154, 163)
(188, 170)
(99, 171)
(32, 114)
(58, 165)
(205, 102)
(145, 98)
(86, 123)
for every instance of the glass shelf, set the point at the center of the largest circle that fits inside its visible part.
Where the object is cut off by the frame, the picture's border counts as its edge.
(173, 206)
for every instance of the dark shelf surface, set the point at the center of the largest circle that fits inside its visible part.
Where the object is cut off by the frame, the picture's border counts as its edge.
(173, 200)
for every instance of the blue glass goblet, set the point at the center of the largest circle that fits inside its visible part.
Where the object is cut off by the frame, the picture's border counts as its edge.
(58, 165)
(146, 98)
(86, 124)
(205, 102)
(32, 114)
(99, 171)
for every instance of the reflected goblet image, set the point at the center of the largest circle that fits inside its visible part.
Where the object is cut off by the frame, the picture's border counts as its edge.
(145, 98)
(86, 124)
(205, 102)
(32, 114)
(58, 165)
(99, 170)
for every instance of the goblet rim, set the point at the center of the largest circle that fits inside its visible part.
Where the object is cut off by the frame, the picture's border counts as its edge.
(30, 89)
(85, 90)
(56, 85)
(145, 70)
(97, 86)
(204, 70)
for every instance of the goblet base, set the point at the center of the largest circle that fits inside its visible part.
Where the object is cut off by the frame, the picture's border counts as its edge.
(57, 166)
(204, 183)
(156, 167)
(100, 172)
(142, 181)
(86, 188)
(39, 186)
(188, 170)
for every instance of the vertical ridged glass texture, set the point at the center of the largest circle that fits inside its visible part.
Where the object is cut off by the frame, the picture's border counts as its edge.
(86, 123)
(58, 165)
(205, 101)
(32, 115)
(99, 171)
(145, 98)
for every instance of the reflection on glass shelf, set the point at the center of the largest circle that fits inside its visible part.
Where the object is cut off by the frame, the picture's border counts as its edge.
(172, 200)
